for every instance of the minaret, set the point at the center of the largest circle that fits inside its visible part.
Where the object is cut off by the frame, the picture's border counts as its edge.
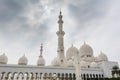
(60, 33)
(41, 50)
(41, 61)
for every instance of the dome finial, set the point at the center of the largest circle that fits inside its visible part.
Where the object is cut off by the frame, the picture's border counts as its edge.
(41, 49)
(60, 16)
(60, 12)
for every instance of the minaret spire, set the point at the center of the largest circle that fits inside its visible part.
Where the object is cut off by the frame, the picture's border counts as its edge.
(60, 33)
(60, 21)
(41, 50)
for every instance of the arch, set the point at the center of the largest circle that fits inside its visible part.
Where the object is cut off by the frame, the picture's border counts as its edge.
(9, 75)
(102, 76)
(66, 76)
(20, 76)
(20, 73)
(94, 76)
(62, 76)
(87, 75)
(45, 75)
(70, 76)
(50, 74)
(54, 76)
(58, 75)
(41, 75)
(27, 75)
(14, 75)
(99, 76)
(32, 75)
(90, 75)
(2, 75)
(74, 76)
(84, 77)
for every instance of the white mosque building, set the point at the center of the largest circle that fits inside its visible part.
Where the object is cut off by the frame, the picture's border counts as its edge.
(62, 67)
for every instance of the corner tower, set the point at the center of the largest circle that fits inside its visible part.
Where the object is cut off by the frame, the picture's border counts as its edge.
(60, 33)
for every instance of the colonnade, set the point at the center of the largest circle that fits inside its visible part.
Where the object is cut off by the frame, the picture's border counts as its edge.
(45, 76)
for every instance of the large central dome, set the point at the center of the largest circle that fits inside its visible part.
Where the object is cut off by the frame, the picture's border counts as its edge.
(86, 50)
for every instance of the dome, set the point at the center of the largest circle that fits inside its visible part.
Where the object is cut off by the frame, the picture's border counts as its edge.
(102, 57)
(93, 65)
(83, 64)
(86, 50)
(56, 62)
(3, 59)
(23, 60)
(70, 63)
(41, 61)
(71, 52)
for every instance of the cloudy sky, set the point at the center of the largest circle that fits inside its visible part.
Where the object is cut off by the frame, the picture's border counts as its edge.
(25, 24)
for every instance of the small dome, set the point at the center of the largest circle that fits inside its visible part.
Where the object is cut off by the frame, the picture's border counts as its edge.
(86, 50)
(71, 52)
(102, 57)
(94, 65)
(23, 60)
(3, 59)
(56, 62)
(83, 64)
(41, 61)
(70, 63)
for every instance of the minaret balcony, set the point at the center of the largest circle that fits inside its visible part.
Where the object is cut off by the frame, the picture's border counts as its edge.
(60, 33)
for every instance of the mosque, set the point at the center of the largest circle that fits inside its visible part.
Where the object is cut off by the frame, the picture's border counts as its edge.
(62, 67)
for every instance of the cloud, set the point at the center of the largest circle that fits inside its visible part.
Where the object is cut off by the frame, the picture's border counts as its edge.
(25, 24)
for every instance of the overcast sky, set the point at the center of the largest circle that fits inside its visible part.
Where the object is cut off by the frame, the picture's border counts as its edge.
(25, 24)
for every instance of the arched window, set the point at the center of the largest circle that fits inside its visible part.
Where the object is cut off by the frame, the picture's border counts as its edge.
(87, 76)
(102, 76)
(74, 76)
(58, 75)
(93, 75)
(90, 75)
(45, 75)
(84, 77)
(96, 77)
(70, 76)
(99, 76)
(15, 75)
(20, 76)
(8, 75)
